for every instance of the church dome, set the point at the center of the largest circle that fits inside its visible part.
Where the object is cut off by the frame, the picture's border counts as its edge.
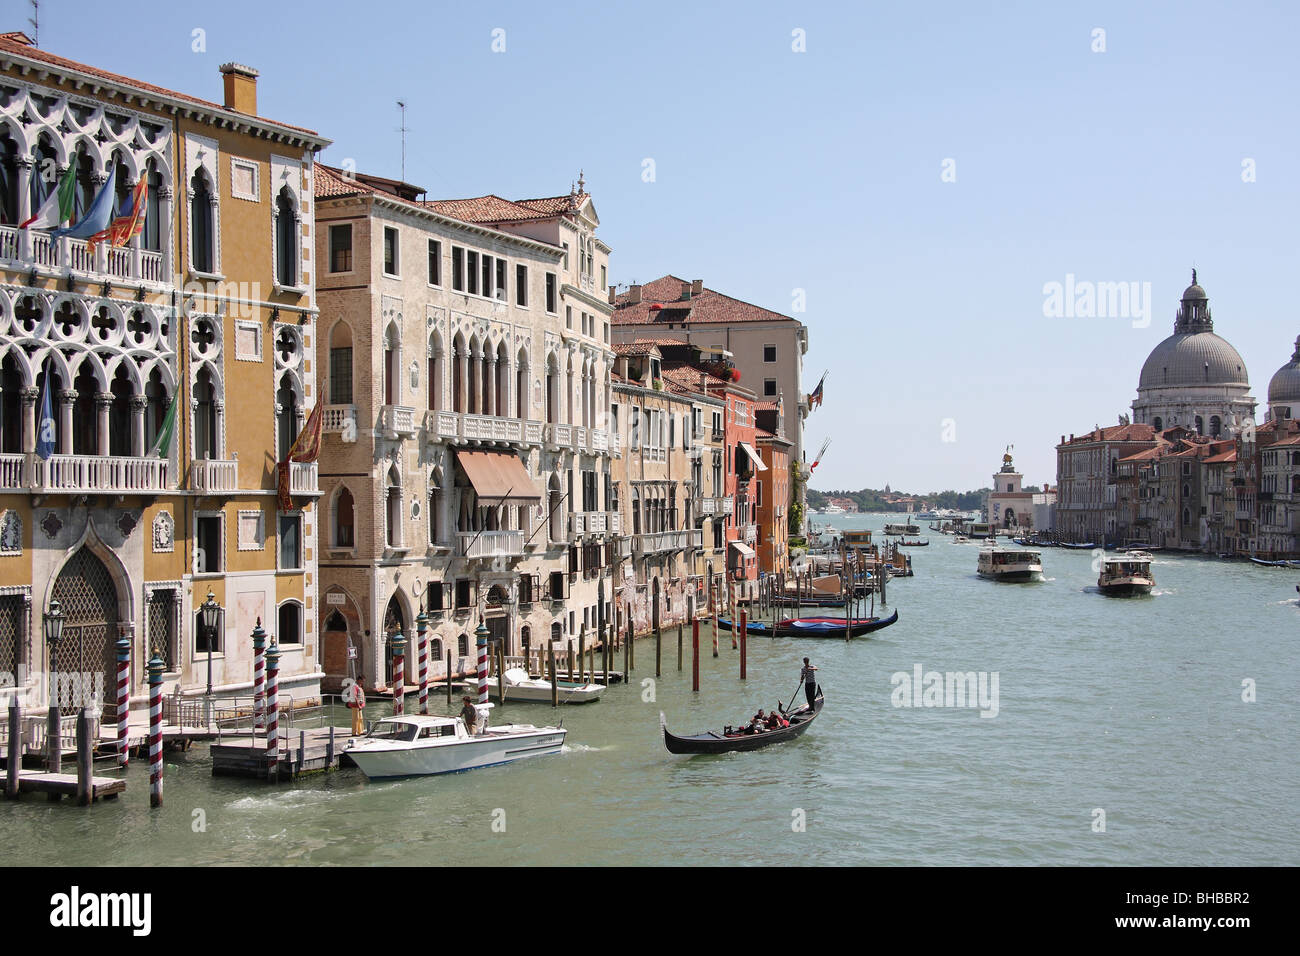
(1193, 355)
(1284, 388)
(1193, 358)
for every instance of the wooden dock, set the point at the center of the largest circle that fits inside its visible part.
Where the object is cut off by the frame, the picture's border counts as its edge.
(302, 751)
(65, 784)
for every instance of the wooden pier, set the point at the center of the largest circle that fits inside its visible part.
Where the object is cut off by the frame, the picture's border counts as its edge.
(66, 785)
(301, 751)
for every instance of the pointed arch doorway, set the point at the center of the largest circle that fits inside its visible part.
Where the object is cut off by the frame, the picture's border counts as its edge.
(87, 595)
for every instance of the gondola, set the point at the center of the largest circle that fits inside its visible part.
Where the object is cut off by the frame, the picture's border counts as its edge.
(1087, 545)
(812, 626)
(913, 544)
(729, 740)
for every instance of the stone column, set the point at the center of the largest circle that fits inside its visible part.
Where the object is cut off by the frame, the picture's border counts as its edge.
(67, 397)
(30, 394)
(138, 406)
(103, 402)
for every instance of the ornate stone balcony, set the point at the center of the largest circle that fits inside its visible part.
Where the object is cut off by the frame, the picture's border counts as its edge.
(490, 544)
(396, 421)
(661, 541)
(91, 474)
(214, 477)
(23, 249)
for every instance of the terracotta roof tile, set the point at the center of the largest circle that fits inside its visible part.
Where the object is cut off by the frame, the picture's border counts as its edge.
(11, 43)
(709, 306)
(485, 209)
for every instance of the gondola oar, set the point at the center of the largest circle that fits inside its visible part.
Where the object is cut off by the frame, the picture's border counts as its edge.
(786, 708)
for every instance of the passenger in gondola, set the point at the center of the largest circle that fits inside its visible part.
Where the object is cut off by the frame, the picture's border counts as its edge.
(758, 723)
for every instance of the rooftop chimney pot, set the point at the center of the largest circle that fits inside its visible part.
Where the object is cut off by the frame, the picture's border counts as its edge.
(240, 88)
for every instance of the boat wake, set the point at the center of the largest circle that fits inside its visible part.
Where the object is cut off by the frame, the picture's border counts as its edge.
(580, 748)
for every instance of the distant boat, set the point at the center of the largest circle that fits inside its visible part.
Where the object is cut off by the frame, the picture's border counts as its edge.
(833, 510)
(813, 626)
(1003, 564)
(1086, 546)
(1127, 575)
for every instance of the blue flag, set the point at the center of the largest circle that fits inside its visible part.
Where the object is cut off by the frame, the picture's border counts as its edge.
(98, 216)
(45, 430)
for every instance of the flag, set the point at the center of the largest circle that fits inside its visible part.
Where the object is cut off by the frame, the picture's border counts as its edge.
(128, 222)
(58, 205)
(98, 216)
(162, 446)
(306, 447)
(816, 397)
(45, 429)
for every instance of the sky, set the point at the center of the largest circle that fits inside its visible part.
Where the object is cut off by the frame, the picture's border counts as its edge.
(916, 174)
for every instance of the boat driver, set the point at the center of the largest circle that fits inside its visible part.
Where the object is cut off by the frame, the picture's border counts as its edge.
(469, 714)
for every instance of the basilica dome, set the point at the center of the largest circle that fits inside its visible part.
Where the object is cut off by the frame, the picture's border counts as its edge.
(1193, 355)
(1284, 388)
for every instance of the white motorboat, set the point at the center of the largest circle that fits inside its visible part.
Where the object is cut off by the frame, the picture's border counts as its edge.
(1007, 564)
(1126, 575)
(519, 686)
(413, 745)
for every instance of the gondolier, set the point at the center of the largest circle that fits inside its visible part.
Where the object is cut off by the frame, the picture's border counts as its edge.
(809, 677)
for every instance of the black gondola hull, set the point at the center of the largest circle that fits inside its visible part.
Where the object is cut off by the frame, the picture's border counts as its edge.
(712, 742)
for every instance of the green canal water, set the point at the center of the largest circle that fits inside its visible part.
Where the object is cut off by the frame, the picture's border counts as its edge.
(1128, 706)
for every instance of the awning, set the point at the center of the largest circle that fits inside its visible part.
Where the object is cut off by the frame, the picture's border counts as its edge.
(743, 548)
(753, 456)
(498, 477)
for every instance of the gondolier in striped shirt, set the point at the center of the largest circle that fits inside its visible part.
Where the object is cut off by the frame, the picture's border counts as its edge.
(809, 677)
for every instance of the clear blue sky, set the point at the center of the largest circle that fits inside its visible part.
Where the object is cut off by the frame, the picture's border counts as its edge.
(820, 171)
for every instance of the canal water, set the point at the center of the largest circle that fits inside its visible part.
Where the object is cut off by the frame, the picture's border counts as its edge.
(1120, 737)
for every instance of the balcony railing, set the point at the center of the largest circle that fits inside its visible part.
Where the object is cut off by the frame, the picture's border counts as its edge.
(90, 473)
(14, 474)
(490, 544)
(443, 426)
(713, 506)
(211, 476)
(397, 421)
(559, 436)
(35, 248)
(595, 522)
(303, 478)
(341, 418)
(750, 533)
(666, 541)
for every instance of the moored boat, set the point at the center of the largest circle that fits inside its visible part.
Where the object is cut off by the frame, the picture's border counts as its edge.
(1005, 564)
(813, 626)
(412, 745)
(1126, 575)
(520, 686)
(1085, 546)
(914, 544)
(734, 739)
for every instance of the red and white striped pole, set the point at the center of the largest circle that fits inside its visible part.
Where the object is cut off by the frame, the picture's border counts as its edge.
(259, 675)
(399, 672)
(273, 712)
(422, 636)
(123, 699)
(155, 731)
(482, 637)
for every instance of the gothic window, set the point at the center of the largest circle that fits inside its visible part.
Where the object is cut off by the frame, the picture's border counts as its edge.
(289, 623)
(11, 407)
(9, 181)
(151, 238)
(205, 416)
(344, 520)
(393, 510)
(286, 421)
(286, 240)
(202, 227)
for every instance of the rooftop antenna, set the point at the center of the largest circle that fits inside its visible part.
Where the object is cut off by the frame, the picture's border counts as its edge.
(401, 129)
(35, 21)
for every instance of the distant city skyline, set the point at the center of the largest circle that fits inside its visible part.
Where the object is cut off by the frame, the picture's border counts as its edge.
(909, 186)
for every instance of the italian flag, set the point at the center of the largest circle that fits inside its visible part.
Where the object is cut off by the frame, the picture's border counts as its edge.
(58, 205)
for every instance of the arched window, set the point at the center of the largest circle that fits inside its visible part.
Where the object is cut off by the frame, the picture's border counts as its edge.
(472, 368)
(392, 382)
(521, 386)
(501, 402)
(344, 520)
(45, 172)
(289, 623)
(156, 402)
(462, 645)
(458, 374)
(1159, 424)
(9, 180)
(554, 499)
(151, 238)
(557, 632)
(11, 407)
(205, 416)
(552, 391)
(393, 510)
(1216, 426)
(56, 424)
(202, 228)
(286, 239)
(341, 364)
(119, 414)
(85, 417)
(286, 419)
(84, 194)
(434, 378)
(1200, 425)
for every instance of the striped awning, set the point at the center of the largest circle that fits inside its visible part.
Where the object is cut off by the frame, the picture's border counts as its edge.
(753, 456)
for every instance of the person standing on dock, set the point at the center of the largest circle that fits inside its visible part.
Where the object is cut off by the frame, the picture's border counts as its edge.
(356, 701)
(809, 677)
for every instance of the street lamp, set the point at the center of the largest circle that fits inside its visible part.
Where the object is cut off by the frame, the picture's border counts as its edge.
(209, 616)
(53, 624)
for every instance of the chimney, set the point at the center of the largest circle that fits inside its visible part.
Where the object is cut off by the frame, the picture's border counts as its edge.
(613, 294)
(240, 88)
(697, 286)
(633, 295)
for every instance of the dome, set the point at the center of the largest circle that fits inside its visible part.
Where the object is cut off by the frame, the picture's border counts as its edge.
(1284, 388)
(1191, 359)
(1194, 291)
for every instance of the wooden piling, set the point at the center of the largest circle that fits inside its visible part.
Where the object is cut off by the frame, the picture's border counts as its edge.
(15, 754)
(627, 652)
(449, 678)
(582, 654)
(568, 648)
(743, 643)
(695, 655)
(501, 672)
(659, 648)
(85, 760)
(555, 689)
(679, 645)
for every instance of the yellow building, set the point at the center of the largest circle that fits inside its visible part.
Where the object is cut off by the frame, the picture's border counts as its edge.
(212, 307)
